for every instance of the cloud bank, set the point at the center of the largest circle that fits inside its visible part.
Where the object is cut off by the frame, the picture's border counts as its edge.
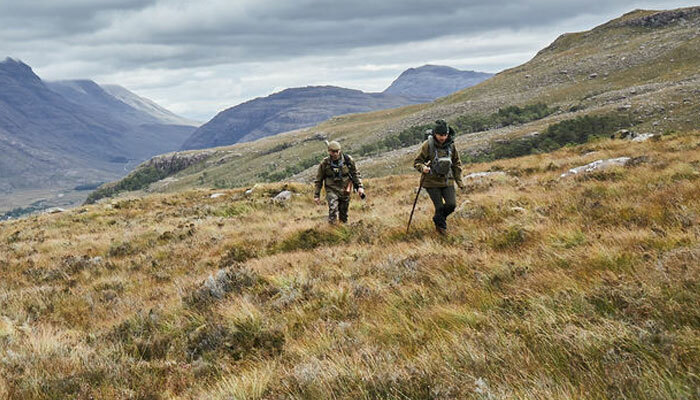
(198, 58)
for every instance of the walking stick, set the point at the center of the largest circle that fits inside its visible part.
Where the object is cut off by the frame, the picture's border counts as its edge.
(420, 186)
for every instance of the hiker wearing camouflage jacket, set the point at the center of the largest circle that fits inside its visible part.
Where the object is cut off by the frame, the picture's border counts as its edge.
(339, 174)
(439, 160)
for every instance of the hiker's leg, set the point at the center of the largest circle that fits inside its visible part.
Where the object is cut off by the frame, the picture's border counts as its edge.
(436, 197)
(450, 197)
(343, 205)
(333, 203)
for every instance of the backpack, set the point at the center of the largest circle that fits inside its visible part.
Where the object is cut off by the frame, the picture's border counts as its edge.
(338, 168)
(441, 166)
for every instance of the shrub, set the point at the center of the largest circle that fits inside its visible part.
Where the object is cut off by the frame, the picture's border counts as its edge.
(570, 132)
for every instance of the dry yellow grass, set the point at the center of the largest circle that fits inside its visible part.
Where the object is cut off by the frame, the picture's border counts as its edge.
(577, 288)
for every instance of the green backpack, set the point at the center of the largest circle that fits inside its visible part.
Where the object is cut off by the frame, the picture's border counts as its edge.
(441, 166)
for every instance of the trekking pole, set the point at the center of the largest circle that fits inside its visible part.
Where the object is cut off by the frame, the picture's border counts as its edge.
(420, 186)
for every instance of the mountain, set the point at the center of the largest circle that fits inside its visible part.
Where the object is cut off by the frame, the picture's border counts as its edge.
(59, 135)
(298, 108)
(148, 106)
(430, 82)
(285, 111)
(640, 70)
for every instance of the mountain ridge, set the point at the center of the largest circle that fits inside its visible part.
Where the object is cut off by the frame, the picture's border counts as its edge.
(296, 108)
(59, 135)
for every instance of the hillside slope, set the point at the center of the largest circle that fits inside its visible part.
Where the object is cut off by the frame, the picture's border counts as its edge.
(642, 67)
(583, 287)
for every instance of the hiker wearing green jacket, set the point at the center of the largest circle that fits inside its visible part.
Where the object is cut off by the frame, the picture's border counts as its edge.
(439, 160)
(339, 174)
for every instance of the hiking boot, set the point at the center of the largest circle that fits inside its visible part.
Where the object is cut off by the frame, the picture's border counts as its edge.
(441, 231)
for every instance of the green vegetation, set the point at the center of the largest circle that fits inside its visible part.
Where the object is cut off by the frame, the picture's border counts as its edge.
(137, 180)
(511, 115)
(20, 211)
(507, 116)
(88, 186)
(570, 132)
(290, 170)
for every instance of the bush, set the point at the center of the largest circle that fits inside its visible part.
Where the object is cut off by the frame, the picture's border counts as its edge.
(570, 132)
(463, 124)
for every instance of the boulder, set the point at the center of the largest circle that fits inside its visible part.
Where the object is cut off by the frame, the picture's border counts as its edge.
(643, 137)
(596, 166)
(283, 196)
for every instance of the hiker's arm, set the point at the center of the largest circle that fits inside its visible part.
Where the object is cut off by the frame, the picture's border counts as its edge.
(318, 182)
(422, 158)
(457, 167)
(355, 175)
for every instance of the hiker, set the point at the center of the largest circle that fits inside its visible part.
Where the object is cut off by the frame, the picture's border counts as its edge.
(339, 173)
(439, 161)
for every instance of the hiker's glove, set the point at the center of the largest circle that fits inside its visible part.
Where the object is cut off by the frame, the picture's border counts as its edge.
(426, 169)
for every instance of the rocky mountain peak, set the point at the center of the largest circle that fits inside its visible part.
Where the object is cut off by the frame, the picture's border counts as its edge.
(17, 70)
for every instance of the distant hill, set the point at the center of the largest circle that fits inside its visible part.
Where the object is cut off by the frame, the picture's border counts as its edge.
(297, 108)
(287, 110)
(70, 133)
(430, 82)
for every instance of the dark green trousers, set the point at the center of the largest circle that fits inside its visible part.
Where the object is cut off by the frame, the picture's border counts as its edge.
(445, 200)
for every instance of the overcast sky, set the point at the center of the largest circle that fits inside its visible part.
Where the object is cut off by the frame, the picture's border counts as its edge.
(197, 58)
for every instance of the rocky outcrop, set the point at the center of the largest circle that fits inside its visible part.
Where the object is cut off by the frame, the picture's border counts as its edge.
(660, 19)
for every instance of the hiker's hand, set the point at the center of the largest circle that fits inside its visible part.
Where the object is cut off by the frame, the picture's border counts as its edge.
(317, 200)
(361, 192)
(426, 169)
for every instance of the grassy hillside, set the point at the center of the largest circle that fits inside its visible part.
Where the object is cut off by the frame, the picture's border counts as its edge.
(582, 287)
(643, 66)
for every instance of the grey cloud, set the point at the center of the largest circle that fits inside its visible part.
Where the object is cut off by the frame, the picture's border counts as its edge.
(321, 39)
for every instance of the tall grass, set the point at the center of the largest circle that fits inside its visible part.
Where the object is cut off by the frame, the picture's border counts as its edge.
(582, 288)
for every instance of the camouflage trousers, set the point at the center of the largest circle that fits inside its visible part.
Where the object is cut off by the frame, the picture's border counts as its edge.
(337, 206)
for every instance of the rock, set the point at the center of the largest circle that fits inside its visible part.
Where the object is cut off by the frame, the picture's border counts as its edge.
(251, 190)
(643, 137)
(283, 196)
(593, 75)
(216, 195)
(596, 166)
(54, 210)
(621, 134)
(478, 175)
(624, 107)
